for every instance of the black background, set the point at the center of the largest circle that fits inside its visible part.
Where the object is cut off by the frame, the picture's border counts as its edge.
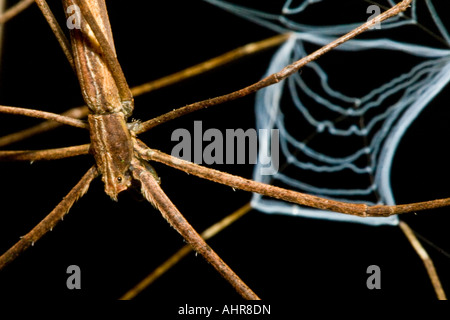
(117, 244)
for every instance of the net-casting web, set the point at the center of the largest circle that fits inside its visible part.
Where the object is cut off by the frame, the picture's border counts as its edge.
(339, 141)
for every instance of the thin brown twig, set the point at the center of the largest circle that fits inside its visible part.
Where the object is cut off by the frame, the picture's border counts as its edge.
(15, 10)
(44, 115)
(422, 253)
(184, 251)
(361, 210)
(276, 77)
(156, 196)
(48, 154)
(50, 221)
(210, 64)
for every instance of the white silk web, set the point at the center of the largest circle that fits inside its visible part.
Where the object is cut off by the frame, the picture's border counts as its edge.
(341, 118)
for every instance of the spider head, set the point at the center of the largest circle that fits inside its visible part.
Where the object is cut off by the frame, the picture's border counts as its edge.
(116, 182)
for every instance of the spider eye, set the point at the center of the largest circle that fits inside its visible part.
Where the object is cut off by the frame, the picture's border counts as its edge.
(119, 179)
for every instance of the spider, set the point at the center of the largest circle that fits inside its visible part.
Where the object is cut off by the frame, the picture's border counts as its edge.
(116, 243)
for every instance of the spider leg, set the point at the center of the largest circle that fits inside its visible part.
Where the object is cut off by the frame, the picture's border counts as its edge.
(184, 251)
(50, 221)
(44, 115)
(15, 10)
(205, 66)
(48, 154)
(237, 182)
(275, 77)
(76, 113)
(57, 31)
(422, 253)
(156, 196)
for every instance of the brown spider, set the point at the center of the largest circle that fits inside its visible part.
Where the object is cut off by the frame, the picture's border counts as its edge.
(105, 209)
